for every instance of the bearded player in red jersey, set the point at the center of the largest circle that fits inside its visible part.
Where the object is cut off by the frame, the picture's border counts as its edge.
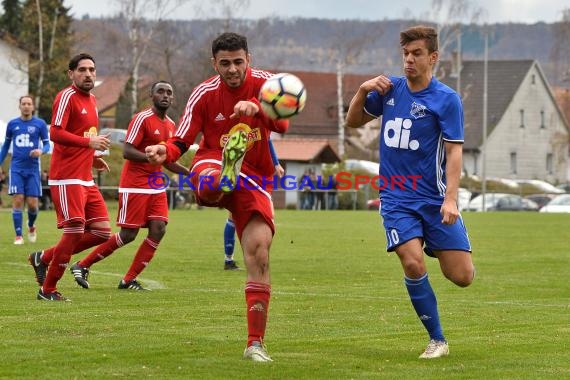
(80, 208)
(142, 190)
(235, 133)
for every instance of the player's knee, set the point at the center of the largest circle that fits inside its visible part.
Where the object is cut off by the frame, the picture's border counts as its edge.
(128, 236)
(414, 268)
(463, 278)
(157, 231)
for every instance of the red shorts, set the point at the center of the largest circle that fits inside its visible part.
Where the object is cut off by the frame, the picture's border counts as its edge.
(243, 202)
(135, 210)
(78, 203)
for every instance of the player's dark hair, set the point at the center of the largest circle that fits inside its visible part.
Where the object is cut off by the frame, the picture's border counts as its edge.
(26, 96)
(74, 62)
(153, 86)
(420, 32)
(230, 42)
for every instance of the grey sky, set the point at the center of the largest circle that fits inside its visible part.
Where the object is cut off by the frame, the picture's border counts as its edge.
(524, 11)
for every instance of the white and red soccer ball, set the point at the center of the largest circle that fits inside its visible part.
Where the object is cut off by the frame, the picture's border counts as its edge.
(282, 96)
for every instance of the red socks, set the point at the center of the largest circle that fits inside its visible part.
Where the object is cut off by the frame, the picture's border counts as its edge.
(61, 256)
(257, 297)
(143, 256)
(90, 238)
(102, 251)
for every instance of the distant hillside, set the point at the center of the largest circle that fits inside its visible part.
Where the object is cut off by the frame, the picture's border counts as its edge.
(304, 44)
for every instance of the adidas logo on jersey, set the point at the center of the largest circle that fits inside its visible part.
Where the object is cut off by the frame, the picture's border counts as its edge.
(83, 111)
(397, 134)
(220, 117)
(390, 102)
(156, 132)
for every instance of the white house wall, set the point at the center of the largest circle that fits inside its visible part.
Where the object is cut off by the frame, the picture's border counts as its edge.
(13, 80)
(531, 143)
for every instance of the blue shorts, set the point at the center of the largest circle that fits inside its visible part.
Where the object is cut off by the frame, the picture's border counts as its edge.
(25, 182)
(406, 221)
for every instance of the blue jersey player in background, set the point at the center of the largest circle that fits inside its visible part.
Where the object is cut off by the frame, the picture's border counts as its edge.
(25, 134)
(421, 161)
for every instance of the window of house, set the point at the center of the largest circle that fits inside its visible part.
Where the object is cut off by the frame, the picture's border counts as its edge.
(533, 79)
(549, 163)
(522, 118)
(542, 124)
(514, 162)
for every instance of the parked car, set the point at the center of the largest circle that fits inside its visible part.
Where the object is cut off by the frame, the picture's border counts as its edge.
(117, 136)
(564, 186)
(463, 198)
(541, 199)
(502, 202)
(559, 204)
(373, 204)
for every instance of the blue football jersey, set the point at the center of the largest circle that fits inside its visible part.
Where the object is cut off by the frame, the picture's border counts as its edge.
(414, 127)
(26, 135)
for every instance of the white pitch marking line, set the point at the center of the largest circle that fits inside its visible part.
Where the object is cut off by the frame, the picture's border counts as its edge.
(152, 284)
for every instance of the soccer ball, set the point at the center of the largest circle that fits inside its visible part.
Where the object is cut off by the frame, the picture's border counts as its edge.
(282, 96)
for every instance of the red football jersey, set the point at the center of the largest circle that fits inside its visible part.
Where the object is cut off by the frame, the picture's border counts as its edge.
(145, 129)
(76, 112)
(208, 112)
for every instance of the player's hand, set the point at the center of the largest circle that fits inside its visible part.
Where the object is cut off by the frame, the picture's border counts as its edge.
(381, 83)
(244, 108)
(449, 211)
(100, 142)
(101, 165)
(156, 154)
(35, 153)
(279, 171)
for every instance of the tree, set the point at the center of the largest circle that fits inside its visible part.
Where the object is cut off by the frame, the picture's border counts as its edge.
(142, 18)
(449, 17)
(46, 35)
(11, 20)
(560, 52)
(123, 112)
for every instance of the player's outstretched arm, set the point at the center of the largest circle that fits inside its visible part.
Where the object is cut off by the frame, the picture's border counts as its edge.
(133, 154)
(176, 167)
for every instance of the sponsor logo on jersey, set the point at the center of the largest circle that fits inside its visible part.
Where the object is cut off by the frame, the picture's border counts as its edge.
(23, 141)
(397, 134)
(220, 117)
(390, 102)
(253, 135)
(83, 111)
(91, 132)
(418, 110)
(156, 132)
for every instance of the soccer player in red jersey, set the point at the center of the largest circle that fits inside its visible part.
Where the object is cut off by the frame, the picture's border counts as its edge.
(80, 208)
(142, 190)
(234, 157)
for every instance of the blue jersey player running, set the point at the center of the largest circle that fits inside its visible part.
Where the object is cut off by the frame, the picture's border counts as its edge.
(25, 134)
(420, 162)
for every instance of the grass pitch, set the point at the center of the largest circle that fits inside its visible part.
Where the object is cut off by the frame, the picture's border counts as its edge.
(339, 309)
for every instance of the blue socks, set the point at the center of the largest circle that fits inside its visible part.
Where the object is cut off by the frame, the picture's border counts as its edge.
(424, 302)
(32, 215)
(229, 239)
(17, 218)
